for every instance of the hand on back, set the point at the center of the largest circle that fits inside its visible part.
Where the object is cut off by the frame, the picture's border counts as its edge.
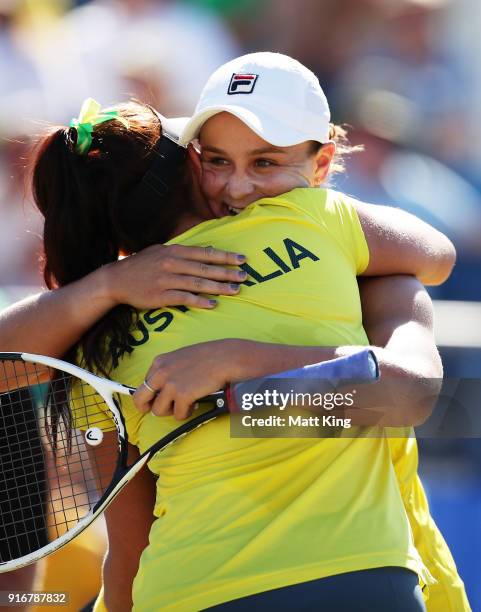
(174, 275)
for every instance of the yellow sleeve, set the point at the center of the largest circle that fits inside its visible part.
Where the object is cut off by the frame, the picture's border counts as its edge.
(349, 227)
(336, 213)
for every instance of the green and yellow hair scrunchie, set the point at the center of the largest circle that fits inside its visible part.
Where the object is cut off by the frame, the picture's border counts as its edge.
(91, 115)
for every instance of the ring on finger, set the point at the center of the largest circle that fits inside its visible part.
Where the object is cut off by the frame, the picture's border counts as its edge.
(147, 386)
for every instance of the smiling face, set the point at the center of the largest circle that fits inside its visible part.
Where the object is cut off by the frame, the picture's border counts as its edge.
(239, 167)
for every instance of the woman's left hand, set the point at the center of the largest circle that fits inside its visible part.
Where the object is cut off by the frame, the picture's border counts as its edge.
(182, 377)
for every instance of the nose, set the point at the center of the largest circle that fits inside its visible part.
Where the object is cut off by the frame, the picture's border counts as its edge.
(239, 186)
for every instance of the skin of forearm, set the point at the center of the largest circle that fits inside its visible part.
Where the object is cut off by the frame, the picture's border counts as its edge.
(403, 396)
(22, 579)
(251, 359)
(62, 316)
(135, 503)
(117, 592)
(121, 565)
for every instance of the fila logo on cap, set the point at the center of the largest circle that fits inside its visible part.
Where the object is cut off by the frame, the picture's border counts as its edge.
(242, 84)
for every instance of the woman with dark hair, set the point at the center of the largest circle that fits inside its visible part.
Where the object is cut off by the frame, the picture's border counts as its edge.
(96, 188)
(102, 192)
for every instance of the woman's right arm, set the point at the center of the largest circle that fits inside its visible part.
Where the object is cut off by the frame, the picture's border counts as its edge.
(128, 519)
(51, 322)
(400, 243)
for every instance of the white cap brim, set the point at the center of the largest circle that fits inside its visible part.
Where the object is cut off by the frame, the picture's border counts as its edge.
(173, 127)
(270, 129)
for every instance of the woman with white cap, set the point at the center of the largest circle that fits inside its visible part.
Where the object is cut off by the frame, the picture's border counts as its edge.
(269, 99)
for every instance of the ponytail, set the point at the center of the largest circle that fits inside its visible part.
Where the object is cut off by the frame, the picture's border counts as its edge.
(93, 210)
(74, 200)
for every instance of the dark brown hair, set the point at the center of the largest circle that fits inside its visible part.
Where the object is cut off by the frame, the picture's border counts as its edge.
(93, 210)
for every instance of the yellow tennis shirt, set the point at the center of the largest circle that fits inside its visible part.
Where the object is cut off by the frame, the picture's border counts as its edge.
(241, 516)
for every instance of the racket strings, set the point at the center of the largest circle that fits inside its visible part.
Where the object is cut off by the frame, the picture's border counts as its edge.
(50, 479)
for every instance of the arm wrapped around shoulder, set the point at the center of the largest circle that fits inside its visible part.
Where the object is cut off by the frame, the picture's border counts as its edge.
(400, 243)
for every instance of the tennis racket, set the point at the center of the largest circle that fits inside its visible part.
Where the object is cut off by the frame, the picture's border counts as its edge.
(54, 414)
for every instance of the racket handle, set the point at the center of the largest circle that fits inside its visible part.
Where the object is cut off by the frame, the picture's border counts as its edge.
(362, 365)
(327, 376)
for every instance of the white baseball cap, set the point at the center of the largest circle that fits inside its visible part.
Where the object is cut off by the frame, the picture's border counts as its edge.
(275, 95)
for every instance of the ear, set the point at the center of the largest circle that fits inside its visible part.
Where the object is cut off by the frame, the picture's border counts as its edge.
(193, 157)
(322, 161)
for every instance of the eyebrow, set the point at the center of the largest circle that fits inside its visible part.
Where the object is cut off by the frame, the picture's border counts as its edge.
(261, 151)
(264, 150)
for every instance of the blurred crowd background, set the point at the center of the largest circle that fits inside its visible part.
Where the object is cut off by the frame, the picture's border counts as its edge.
(403, 74)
